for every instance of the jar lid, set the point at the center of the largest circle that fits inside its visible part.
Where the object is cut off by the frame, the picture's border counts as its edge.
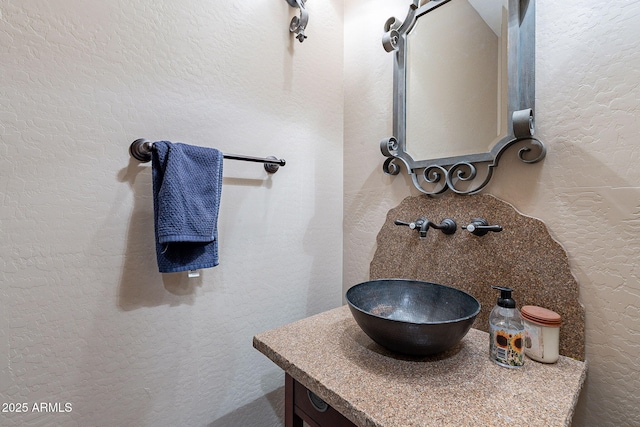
(541, 315)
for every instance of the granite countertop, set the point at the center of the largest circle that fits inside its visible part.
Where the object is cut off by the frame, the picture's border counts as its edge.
(329, 354)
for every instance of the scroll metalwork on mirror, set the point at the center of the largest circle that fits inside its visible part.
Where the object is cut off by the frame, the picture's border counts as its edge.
(463, 92)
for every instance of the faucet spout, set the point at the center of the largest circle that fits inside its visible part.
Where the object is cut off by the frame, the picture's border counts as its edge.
(424, 226)
(447, 226)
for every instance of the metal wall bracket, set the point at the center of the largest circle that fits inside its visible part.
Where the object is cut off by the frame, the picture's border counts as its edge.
(299, 24)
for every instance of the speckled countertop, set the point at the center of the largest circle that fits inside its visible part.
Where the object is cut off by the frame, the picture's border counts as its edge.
(330, 355)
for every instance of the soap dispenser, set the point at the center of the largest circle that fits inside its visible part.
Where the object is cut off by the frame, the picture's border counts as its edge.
(506, 331)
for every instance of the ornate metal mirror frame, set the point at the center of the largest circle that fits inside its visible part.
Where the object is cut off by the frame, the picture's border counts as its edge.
(460, 173)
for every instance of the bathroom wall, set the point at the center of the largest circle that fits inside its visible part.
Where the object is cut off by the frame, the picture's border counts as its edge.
(85, 318)
(586, 190)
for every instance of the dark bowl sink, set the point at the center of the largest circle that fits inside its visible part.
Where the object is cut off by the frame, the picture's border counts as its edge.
(412, 317)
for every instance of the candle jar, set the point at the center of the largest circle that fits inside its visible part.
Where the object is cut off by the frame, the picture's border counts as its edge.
(542, 333)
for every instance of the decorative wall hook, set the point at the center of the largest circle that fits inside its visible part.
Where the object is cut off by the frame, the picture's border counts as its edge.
(299, 24)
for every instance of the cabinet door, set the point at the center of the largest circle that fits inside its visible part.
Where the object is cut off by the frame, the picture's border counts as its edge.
(314, 411)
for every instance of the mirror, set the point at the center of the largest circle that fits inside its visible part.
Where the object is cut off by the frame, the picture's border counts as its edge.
(470, 82)
(463, 91)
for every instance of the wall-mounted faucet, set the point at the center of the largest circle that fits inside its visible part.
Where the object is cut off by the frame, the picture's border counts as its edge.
(447, 226)
(480, 227)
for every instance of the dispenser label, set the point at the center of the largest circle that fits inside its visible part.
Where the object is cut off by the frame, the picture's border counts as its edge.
(507, 346)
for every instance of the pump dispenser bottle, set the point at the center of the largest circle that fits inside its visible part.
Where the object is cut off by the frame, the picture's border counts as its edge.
(506, 331)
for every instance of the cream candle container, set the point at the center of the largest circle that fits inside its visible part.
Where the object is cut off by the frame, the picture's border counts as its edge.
(542, 333)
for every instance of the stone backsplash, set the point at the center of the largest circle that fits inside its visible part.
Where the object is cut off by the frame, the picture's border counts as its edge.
(523, 256)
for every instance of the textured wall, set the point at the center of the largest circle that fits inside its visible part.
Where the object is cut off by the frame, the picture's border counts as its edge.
(85, 316)
(586, 190)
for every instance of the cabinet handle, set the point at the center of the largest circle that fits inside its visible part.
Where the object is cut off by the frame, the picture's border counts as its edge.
(319, 404)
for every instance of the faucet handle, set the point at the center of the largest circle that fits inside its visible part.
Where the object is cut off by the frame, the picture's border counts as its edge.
(412, 225)
(420, 224)
(480, 227)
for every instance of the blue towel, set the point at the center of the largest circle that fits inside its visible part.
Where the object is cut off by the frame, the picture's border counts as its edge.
(187, 185)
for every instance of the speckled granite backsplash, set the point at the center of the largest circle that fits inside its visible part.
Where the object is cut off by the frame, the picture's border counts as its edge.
(523, 257)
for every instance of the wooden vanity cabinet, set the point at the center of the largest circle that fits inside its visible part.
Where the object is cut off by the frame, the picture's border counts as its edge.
(301, 404)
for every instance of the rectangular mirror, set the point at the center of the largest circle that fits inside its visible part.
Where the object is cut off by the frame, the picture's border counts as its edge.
(469, 69)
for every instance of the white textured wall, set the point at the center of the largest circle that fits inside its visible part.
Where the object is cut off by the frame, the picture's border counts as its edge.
(85, 316)
(587, 189)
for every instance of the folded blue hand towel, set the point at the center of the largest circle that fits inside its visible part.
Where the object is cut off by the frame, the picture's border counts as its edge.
(187, 185)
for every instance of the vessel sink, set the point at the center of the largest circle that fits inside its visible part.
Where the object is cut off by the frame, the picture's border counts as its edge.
(412, 317)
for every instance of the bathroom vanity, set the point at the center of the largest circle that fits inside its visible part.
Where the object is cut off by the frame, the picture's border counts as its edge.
(337, 376)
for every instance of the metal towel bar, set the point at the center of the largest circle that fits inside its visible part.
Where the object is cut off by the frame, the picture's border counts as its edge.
(140, 149)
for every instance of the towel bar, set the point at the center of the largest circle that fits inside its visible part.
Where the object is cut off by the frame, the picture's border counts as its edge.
(140, 149)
